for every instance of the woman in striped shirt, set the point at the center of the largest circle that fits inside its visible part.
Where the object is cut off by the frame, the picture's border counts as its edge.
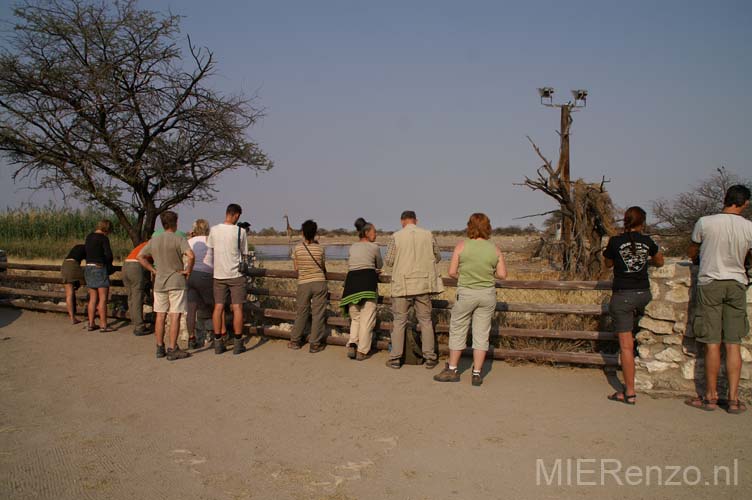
(309, 261)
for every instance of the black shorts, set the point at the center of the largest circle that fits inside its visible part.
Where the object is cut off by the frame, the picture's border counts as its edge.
(626, 307)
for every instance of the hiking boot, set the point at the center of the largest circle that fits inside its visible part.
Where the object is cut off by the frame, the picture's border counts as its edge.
(177, 353)
(359, 356)
(193, 343)
(141, 332)
(161, 351)
(238, 346)
(431, 363)
(394, 363)
(477, 380)
(219, 346)
(316, 348)
(351, 351)
(447, 375)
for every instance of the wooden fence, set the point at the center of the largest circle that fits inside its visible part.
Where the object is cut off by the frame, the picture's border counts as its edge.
(19, 297)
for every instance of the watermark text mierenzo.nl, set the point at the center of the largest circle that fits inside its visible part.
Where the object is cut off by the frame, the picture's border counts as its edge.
(613, 472)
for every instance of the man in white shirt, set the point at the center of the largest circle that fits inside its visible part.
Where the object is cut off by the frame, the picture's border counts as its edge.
(227, 245)
(722, 242)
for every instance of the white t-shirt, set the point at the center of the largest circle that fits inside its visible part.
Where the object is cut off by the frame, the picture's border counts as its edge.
(223, 248)
(198, 245)
(724, 242)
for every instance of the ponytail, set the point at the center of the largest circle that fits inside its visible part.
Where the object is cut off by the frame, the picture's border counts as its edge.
(633, 217)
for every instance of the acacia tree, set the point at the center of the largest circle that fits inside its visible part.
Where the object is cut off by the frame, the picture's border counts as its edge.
(706, 198)
(96, 100)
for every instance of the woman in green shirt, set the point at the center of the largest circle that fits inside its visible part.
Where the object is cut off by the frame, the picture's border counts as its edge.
(476, 263)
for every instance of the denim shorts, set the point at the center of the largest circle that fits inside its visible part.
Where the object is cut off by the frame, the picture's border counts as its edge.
(96, 277)
(626, 307)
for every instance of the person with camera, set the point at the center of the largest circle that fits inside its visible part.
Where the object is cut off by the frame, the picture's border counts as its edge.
(722, 242)
(227, 247)
(168, 251)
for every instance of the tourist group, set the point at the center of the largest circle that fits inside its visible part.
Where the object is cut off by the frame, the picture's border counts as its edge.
(199, 274)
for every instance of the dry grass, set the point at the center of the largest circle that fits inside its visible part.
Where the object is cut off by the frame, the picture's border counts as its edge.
(520, 268)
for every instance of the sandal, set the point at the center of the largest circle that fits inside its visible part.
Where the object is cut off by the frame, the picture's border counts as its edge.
(106, 329)
(626, 399)
(740, 407)
(92, 328)
(701, 403)
(294, 345)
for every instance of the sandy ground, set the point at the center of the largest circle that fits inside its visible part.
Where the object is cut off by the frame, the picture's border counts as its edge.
(91, 415)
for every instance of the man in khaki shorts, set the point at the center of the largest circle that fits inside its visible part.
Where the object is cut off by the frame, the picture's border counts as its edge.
(227, 244)
(168, 250)
(722, 241)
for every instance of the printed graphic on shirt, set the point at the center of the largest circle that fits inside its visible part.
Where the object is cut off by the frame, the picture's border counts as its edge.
(635, 262)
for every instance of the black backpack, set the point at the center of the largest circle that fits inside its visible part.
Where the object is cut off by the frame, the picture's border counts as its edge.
(413, 354)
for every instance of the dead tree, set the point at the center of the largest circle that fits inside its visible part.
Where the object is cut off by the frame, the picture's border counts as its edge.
(586, 208)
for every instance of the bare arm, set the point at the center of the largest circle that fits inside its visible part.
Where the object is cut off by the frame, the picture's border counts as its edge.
(142, 259)
(501, 266)
(436, 251)
(191, 261)
(693, 252)
(609, 262)
(657, 260)
(209, 257)
(454, 264)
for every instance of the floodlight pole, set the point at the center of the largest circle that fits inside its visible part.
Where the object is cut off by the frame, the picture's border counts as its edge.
(580, 100)
(566, 222)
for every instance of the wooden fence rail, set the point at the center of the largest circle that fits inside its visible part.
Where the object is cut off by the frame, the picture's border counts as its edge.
(592, 358)
(384, 278)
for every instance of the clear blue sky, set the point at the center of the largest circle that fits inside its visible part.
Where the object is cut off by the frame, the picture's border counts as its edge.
(376, 107)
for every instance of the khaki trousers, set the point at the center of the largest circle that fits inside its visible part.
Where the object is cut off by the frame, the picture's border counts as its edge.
(400, 308)
(478, 306)
(362, 321)
(135, 279)
(311, 301)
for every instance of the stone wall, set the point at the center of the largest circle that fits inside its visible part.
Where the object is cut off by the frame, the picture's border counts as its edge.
(669, 360)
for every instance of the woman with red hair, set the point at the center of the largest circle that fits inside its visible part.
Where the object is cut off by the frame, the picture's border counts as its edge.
(476, 262)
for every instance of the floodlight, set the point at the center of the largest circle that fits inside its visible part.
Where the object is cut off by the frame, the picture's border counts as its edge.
(546, 92)
(580, 95)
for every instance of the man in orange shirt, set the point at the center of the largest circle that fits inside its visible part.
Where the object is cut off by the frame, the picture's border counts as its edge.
(136, 280)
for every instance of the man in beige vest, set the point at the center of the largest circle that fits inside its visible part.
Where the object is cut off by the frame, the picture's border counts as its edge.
(413, 254)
